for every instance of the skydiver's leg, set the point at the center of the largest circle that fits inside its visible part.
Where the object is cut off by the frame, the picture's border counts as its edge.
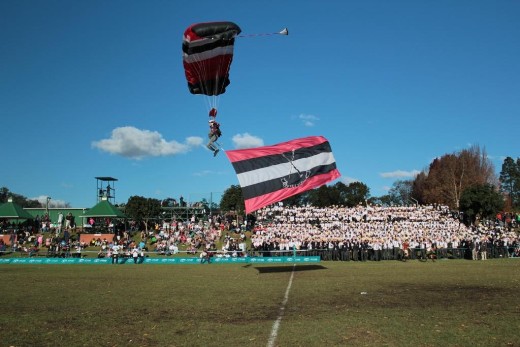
(211, 144)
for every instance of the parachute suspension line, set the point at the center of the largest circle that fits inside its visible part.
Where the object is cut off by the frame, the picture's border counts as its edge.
(283, 32)
(224, 73)
(202, 75)
(219, 76)
(216, 86)
(213, 98)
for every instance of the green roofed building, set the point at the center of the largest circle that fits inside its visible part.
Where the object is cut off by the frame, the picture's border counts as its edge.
(104, 209)
(10, 210)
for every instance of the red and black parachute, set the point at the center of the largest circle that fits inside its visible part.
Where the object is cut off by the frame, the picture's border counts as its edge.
(207, 55)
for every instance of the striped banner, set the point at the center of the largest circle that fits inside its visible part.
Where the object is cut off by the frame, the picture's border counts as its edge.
(272, 173)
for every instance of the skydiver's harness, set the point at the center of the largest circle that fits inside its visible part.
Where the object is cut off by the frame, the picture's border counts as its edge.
(215, 130)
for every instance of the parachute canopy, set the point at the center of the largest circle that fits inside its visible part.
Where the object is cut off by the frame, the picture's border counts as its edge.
(207, 55)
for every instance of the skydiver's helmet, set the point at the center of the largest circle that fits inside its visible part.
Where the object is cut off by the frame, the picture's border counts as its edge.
(213, 112)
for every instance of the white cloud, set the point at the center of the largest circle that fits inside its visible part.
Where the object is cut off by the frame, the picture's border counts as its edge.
(348, 180)
(194, 141)
(246, 140)
(308, 119)
(53, 203)
(134, 143)
(399, 174)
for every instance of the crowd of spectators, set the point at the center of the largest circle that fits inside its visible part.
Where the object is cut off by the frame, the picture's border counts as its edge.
(333, 233)
(197, 237)
(378, 233)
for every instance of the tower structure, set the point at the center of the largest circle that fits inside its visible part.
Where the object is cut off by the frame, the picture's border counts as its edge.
(106, 189)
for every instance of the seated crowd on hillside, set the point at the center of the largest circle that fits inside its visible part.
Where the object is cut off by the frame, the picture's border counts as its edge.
(378, 233)
(167, 238)
(334, 233)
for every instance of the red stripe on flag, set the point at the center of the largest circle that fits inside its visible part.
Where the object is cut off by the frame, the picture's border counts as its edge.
(250, 153)
(256, 203)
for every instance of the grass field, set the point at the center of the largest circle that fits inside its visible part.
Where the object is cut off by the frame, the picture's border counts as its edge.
(446, 303)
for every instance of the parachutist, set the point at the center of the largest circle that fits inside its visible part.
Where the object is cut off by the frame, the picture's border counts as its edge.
(213, 135)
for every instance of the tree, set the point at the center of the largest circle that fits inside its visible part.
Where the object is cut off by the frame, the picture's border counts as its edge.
(449, 175)
(232, 199)
(383, 200)
(479, 202)
(21, 200)
(341, 194)
(401, 192)
(419, 187)
(356, 193)
(143, 209)
(323, 196)
(296, 200)
(510, 181)
(169, 202)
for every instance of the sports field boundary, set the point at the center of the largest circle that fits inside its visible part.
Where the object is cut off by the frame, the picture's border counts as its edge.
(161, 261)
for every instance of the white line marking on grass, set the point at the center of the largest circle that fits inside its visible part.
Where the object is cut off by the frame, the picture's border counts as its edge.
(276, 324)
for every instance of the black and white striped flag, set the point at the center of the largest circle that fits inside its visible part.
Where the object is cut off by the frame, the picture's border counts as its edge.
(272, 173)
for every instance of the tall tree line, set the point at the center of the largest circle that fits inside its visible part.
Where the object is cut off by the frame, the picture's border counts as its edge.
(339, 194)
(21, 200)
(510, 182)
(455, 180)
(448, 176)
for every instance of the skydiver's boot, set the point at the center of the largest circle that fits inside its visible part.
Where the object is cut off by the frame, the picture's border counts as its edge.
(215, 152)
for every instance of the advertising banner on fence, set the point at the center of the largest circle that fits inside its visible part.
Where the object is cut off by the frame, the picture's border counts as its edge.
(121, 261)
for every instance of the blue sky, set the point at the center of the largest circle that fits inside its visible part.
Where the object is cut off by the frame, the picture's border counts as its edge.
(390, 84)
